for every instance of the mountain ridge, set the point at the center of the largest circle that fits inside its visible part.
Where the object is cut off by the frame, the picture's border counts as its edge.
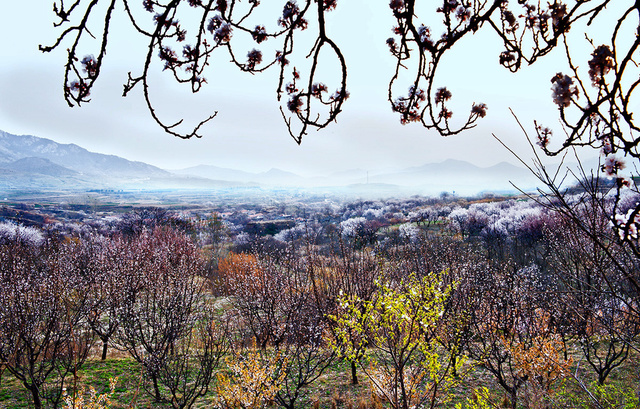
(72, 156)
(41, 163)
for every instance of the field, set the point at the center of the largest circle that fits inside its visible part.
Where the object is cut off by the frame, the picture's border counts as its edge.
(334, 389)
(446, 302)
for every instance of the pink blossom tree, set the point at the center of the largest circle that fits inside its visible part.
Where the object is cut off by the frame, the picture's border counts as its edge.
(44, 336)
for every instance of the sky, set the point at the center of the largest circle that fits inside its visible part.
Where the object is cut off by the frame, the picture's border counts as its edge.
(249, 133)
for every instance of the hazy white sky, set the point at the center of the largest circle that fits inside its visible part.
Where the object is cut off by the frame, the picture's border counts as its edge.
(249, 132)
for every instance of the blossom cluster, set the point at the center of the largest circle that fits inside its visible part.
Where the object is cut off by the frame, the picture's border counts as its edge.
(11, 232)
(600, 65)
(563, 90)
(410, 106)
(291, 16)
(612, 165)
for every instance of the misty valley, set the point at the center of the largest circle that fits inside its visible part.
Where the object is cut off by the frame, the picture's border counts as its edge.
(296, 299)
(344, 205)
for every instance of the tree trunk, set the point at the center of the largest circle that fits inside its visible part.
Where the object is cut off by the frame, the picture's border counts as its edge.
(354, 375)
(37, 403)
(105, 347)
(602, 376)
(514, 398)
(156, 388)
(454, 369)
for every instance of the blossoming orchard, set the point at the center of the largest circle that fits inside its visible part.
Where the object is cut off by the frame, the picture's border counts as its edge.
(423, 301)
(529, 301)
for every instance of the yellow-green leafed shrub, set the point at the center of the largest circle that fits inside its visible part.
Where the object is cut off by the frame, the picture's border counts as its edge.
(251, 381)
(394, 337)
(606, 396)
(90, 400)
(481, 400)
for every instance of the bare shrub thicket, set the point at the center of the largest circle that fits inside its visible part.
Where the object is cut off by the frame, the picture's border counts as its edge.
(164, 321)
(524, 294)
(276, 307)
(144, 293)
(595, 294)
(45, 336)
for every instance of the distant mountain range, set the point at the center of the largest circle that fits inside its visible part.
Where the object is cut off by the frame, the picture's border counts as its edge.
(33, 163)
(73, 157)
(433, 178)
(273, 177)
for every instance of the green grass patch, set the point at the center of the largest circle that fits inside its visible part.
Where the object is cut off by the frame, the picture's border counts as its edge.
(334, 389)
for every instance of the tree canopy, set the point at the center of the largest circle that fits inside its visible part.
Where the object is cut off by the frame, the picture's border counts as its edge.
(189, 36)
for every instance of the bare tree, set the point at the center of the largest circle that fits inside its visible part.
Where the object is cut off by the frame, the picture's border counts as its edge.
(188, 369)
(305, 348)
(510, 327)
(591, 291)
(275, 301)
(104, 286)
(44, 334)
(264, 296)
(347, 272)
(161, 307)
